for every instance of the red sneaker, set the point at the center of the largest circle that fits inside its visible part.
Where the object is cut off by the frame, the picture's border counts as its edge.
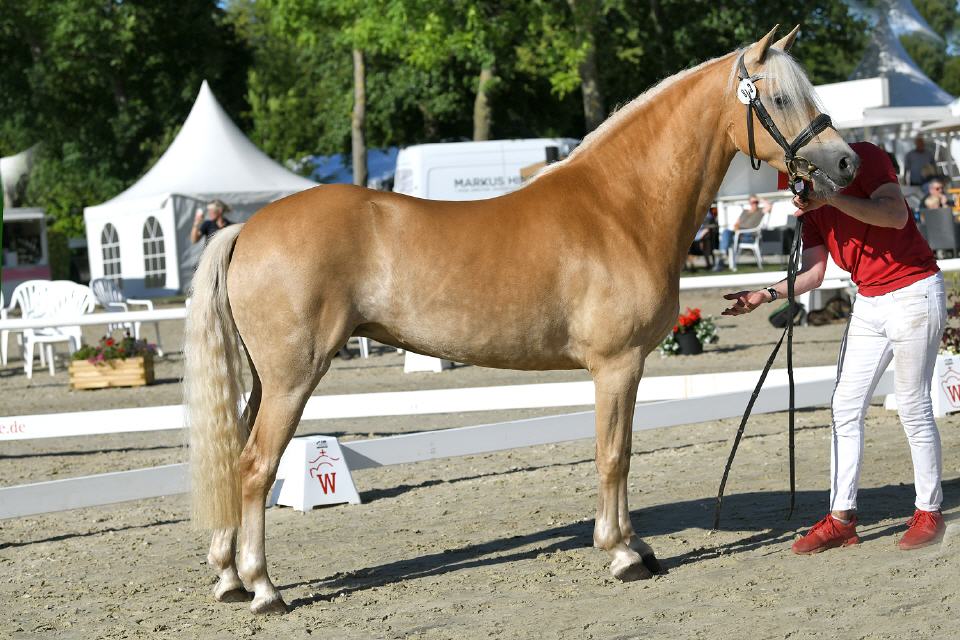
(926, 528)
(827, 534)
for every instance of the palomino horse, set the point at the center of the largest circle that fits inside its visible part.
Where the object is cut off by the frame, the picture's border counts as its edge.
(579, 269)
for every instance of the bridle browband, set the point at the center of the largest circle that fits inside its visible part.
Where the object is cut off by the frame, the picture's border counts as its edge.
(799, 169)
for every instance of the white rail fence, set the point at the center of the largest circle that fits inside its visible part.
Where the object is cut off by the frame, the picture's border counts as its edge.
(686, 404)
(815, 389)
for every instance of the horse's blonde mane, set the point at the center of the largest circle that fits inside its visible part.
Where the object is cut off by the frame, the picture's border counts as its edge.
(781, 75)
(621, 114)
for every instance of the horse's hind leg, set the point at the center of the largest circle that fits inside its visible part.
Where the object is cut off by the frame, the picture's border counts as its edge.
(285, 392)
(616, 394)
(222, 554)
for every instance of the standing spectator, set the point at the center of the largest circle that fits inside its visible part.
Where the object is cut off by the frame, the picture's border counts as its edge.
(899, 314)
(215, 221)
(919, 163)
(749, 218)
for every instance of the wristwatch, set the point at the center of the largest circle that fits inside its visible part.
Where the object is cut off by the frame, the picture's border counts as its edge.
(773, 293)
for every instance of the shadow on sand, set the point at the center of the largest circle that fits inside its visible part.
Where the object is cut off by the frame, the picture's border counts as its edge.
(761, 515)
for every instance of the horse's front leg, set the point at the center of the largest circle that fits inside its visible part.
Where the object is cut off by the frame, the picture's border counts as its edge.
(616, 394)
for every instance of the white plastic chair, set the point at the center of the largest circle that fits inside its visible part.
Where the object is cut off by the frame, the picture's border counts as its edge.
(60, 299)
(111, 298)
(737, 247)
(24, 296)
(5, 333)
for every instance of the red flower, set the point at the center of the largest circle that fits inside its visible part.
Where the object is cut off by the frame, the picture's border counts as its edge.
(109, 342)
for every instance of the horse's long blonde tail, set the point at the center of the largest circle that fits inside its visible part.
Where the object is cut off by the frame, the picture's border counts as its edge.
(213, 389)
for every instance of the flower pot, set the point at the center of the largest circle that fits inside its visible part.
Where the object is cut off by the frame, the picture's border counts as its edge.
(689, 344)
(128, 372)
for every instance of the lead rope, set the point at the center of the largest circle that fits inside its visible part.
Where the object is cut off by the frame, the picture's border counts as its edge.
(792, 267)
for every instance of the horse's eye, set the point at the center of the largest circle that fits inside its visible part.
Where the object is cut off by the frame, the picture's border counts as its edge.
(781, 101)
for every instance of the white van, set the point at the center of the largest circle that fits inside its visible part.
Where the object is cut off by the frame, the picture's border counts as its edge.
(471, 170)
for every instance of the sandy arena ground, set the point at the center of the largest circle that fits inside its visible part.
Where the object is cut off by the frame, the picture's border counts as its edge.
(496, 545)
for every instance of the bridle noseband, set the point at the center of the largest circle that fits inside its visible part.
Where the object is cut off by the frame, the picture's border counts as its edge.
(799, 169)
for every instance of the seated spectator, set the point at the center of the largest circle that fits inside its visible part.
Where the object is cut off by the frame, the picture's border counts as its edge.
(704, 242)
(937, 197)
(750, 218)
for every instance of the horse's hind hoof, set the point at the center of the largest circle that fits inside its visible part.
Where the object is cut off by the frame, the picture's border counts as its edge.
(652, 564)
(628, 571)
(233, 595)
(231, 590)
(268, 605)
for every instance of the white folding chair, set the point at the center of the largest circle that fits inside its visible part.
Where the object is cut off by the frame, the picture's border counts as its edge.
(111, 298)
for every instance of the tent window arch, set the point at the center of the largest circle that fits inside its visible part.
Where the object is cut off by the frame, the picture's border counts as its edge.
(110, 246)
(154, 255)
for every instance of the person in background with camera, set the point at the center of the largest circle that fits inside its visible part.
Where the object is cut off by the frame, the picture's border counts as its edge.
(214, 222)
(899, 313)
(936, 198)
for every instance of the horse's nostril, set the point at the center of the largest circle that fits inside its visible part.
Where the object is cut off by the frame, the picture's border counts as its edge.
(844, 164)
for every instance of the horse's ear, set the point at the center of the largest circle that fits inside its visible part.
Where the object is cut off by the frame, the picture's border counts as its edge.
(758, 52)
(786, 41)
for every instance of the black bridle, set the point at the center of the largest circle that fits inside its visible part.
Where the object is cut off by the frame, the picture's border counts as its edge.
(799, 169)
(800, 172)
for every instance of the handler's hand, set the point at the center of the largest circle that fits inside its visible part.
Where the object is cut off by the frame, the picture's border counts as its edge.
(198, 216)
(812, 202)
(746, 301)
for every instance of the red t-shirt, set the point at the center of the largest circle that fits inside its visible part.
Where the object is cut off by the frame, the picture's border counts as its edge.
(879, 259)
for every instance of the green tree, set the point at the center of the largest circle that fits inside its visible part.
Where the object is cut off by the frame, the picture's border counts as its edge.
(102, 85)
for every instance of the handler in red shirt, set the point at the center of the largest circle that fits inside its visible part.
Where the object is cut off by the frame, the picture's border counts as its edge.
(900, 310)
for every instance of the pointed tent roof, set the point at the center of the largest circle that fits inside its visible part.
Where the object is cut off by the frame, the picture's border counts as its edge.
(211, 157)
(886, 57)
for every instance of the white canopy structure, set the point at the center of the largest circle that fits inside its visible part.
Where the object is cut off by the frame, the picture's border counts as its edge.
(143, 234)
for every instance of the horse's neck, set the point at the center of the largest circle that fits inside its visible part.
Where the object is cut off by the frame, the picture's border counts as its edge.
(661, 162)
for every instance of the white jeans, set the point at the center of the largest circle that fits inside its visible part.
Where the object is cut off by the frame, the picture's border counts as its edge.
(908, 324)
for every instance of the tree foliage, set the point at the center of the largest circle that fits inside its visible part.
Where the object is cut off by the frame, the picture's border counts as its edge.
(104, 84)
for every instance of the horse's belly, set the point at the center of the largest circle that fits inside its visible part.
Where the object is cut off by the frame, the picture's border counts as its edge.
(504, 349)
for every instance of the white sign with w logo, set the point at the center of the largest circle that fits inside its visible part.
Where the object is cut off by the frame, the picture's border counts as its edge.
(313, 472)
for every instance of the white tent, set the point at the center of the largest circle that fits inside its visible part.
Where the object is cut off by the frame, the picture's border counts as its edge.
(143, 234)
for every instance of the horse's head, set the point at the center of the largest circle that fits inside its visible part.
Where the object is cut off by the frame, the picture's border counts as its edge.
(765, 73)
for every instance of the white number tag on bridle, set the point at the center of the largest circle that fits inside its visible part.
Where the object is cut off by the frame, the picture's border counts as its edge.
(746, 91)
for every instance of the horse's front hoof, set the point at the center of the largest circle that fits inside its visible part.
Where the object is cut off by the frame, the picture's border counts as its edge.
(628, 569)
(267, 605)
(652, 564)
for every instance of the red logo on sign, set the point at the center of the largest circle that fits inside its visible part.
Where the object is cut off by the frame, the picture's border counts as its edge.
(328, 480)
(951, 387)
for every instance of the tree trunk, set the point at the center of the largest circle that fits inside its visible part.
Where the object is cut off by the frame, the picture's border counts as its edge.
(358, 122)
(482, 113)
(585, 17)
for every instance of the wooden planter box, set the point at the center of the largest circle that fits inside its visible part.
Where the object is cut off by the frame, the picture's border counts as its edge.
(130, 372)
